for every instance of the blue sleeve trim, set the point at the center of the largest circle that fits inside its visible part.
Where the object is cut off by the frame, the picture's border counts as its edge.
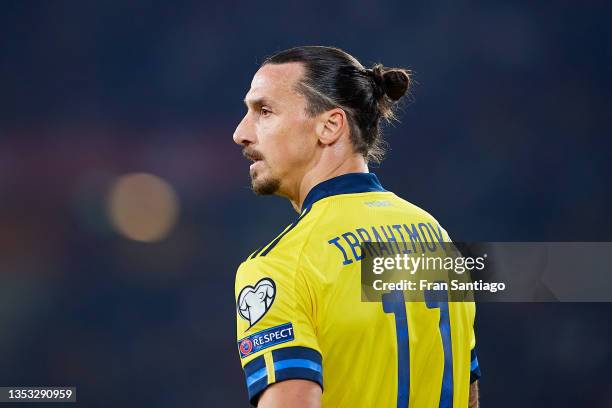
(296, 373)
(256, 378)
(298, 363)
(254, 365)
(474, 364)
(474, 367)
(256, 389)
(289, 363)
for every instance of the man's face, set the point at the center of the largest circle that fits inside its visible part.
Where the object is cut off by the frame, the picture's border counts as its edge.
(277, 134)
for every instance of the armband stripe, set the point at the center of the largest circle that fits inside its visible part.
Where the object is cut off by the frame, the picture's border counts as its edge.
(254, 365)
(298, 363)
(474, 364)
(256, 376)
(285, 363)
(474, 367)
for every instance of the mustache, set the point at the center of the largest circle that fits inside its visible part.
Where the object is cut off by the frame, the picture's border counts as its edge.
(252, 154)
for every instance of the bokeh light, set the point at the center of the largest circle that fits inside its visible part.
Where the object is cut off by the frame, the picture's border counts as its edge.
(142, 207)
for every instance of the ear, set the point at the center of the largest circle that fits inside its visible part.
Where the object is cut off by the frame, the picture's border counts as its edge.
(331, 125)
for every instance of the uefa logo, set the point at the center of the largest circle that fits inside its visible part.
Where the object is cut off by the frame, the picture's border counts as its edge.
(246, 346)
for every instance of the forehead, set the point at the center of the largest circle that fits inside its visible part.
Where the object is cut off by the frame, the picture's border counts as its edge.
(275, 82)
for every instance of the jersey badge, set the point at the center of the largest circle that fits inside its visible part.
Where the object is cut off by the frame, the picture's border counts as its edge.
(255, 301)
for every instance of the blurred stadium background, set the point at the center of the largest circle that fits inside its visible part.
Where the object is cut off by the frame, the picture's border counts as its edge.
(125, 206)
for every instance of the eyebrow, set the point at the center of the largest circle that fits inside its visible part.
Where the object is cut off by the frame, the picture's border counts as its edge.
(256, 102)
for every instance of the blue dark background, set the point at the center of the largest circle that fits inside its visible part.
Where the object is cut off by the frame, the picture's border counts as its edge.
(506, 138)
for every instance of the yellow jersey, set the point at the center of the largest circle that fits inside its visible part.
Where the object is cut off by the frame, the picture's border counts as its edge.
(300, 313)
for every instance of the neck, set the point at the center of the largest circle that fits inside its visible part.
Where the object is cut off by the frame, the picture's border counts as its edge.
(354, 164)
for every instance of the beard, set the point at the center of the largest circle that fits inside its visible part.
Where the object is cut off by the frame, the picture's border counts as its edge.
(264, 185)
(260, 185)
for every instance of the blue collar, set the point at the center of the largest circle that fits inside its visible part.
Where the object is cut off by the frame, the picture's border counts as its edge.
(349, 183)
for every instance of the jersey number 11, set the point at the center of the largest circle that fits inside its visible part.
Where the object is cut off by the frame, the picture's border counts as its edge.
(394, 302)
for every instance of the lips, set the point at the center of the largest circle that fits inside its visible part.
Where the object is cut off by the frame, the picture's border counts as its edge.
(253, 156)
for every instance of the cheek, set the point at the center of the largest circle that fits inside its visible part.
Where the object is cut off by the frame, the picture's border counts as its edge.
(286, 143)
(301, 140)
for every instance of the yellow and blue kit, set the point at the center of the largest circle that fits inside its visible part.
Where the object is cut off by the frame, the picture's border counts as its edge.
(301, 316)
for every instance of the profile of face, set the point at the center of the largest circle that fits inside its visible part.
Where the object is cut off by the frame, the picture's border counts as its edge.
(276, 133)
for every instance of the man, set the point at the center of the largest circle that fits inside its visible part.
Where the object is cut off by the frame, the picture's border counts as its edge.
(305, 338)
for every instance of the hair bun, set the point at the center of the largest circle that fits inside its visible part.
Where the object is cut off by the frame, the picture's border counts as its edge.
(396, 83)
(393, 82)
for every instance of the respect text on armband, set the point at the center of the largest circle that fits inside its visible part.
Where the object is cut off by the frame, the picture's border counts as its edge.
(265, 338)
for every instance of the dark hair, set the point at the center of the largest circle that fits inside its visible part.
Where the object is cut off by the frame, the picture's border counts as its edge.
(334, 78)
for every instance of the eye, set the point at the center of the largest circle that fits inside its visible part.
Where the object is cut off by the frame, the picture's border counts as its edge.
(265, 111)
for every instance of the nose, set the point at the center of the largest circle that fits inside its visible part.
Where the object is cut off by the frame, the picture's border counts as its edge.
(244, 134)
